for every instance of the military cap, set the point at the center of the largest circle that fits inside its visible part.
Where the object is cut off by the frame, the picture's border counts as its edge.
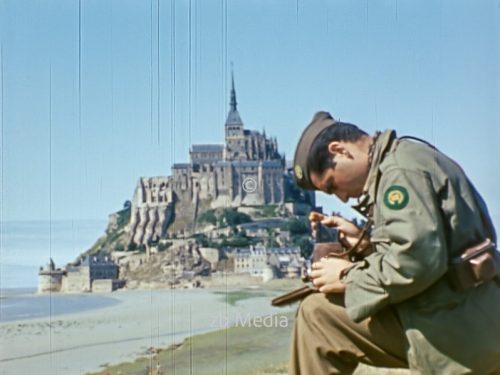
(320, 121)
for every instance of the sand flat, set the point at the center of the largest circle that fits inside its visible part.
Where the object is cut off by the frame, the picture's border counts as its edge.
(78, 343)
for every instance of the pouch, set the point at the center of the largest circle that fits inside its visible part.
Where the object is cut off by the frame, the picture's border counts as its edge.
(474, 266)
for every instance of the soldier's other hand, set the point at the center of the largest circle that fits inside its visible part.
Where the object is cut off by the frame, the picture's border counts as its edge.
(315, 216)
(348, 229)
(326, 273)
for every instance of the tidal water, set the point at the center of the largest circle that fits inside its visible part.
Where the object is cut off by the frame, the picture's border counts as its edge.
(27, 245)
(22, 304)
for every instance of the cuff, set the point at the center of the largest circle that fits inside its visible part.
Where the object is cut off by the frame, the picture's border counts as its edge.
(344, 274)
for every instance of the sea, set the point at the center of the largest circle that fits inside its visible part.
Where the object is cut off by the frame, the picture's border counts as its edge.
(25, 246)
(25, 304)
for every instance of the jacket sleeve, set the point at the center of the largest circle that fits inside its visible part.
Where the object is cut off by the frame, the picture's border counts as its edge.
(410, 250)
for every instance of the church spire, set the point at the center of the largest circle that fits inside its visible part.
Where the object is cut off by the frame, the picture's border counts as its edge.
(233, 117)
(233, 102)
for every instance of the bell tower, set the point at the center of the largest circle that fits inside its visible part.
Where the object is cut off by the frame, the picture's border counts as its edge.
(235, 137)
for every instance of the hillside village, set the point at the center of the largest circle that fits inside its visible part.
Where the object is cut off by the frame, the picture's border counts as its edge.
(232, 214)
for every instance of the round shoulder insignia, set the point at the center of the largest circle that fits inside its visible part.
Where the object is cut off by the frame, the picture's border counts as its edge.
(396, 197)
(298, 172)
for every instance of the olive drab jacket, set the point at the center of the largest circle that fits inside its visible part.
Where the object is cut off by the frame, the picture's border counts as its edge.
(425, 211)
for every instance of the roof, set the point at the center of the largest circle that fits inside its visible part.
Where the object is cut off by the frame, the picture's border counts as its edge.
(271, 163)
(284, 250)
(237, 163)
(181, 166)
(94, 260)
(233, 118)
(207, 148)
(246, 163)
(222, 163)
(262, 224)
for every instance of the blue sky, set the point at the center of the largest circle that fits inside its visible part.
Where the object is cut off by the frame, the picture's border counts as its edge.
(93, 99)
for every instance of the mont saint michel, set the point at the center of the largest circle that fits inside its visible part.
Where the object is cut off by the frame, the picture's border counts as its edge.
(234, 207)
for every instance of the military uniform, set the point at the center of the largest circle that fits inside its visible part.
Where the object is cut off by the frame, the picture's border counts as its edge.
(400, 309)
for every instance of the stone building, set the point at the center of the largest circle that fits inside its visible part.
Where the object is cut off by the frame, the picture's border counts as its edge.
(286, 261)
(91, 274)
(252, 260)
(282, 262)
(50, 278)
(80, 278)
(247, 170)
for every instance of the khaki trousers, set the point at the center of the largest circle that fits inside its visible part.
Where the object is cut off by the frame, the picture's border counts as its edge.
(326, 341)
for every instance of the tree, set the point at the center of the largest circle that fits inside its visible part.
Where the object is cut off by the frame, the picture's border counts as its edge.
(201, 239)
(305, 245)
(162, 246)
(119, 247)
(296, 226)
(208, 217)
(236, 241)
(271, 239)
(232, 217)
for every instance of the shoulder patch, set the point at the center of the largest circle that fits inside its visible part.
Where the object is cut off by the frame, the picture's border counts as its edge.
(396, 197)
(298, 172)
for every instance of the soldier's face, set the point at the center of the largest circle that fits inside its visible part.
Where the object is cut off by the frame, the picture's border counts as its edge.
(327, 183)
(347, 177)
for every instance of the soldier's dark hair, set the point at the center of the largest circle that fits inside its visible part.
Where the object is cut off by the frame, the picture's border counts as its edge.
(319, 159)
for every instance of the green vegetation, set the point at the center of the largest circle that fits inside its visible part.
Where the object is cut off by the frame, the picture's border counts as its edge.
(232, 297)
(296, 226)
(232, 218)
(269, 210)
(112, 240)
(227, 217)
(124, 215)
(235, 241)
(237, 350)
(162, 246)
(271, 238)
(203, 241)
(119, 247)
(305, 244)
(208, 217)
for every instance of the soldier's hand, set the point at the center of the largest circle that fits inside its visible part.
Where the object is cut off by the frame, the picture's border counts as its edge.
(326, 273)
(348, 230)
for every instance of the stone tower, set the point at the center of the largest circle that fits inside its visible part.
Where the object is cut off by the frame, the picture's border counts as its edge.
(235, 136)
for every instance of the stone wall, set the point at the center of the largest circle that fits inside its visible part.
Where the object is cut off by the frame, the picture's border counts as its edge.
(50, 282)
(102, 286)
(211, 255)
(77, 280)
(152, 210)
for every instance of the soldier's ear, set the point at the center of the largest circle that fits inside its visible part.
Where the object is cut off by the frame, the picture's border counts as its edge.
(337, 148)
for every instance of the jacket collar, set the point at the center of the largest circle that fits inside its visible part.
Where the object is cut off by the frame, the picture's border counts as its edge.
(382, 145)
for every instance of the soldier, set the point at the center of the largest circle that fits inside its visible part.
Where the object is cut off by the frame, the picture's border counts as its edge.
(399, 306)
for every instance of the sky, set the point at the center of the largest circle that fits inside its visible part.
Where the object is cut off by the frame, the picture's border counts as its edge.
(96, 93)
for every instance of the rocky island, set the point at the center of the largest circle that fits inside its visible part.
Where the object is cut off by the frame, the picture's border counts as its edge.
(233, 214)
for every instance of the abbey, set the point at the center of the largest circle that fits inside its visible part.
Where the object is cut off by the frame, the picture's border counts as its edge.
(247, 170)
